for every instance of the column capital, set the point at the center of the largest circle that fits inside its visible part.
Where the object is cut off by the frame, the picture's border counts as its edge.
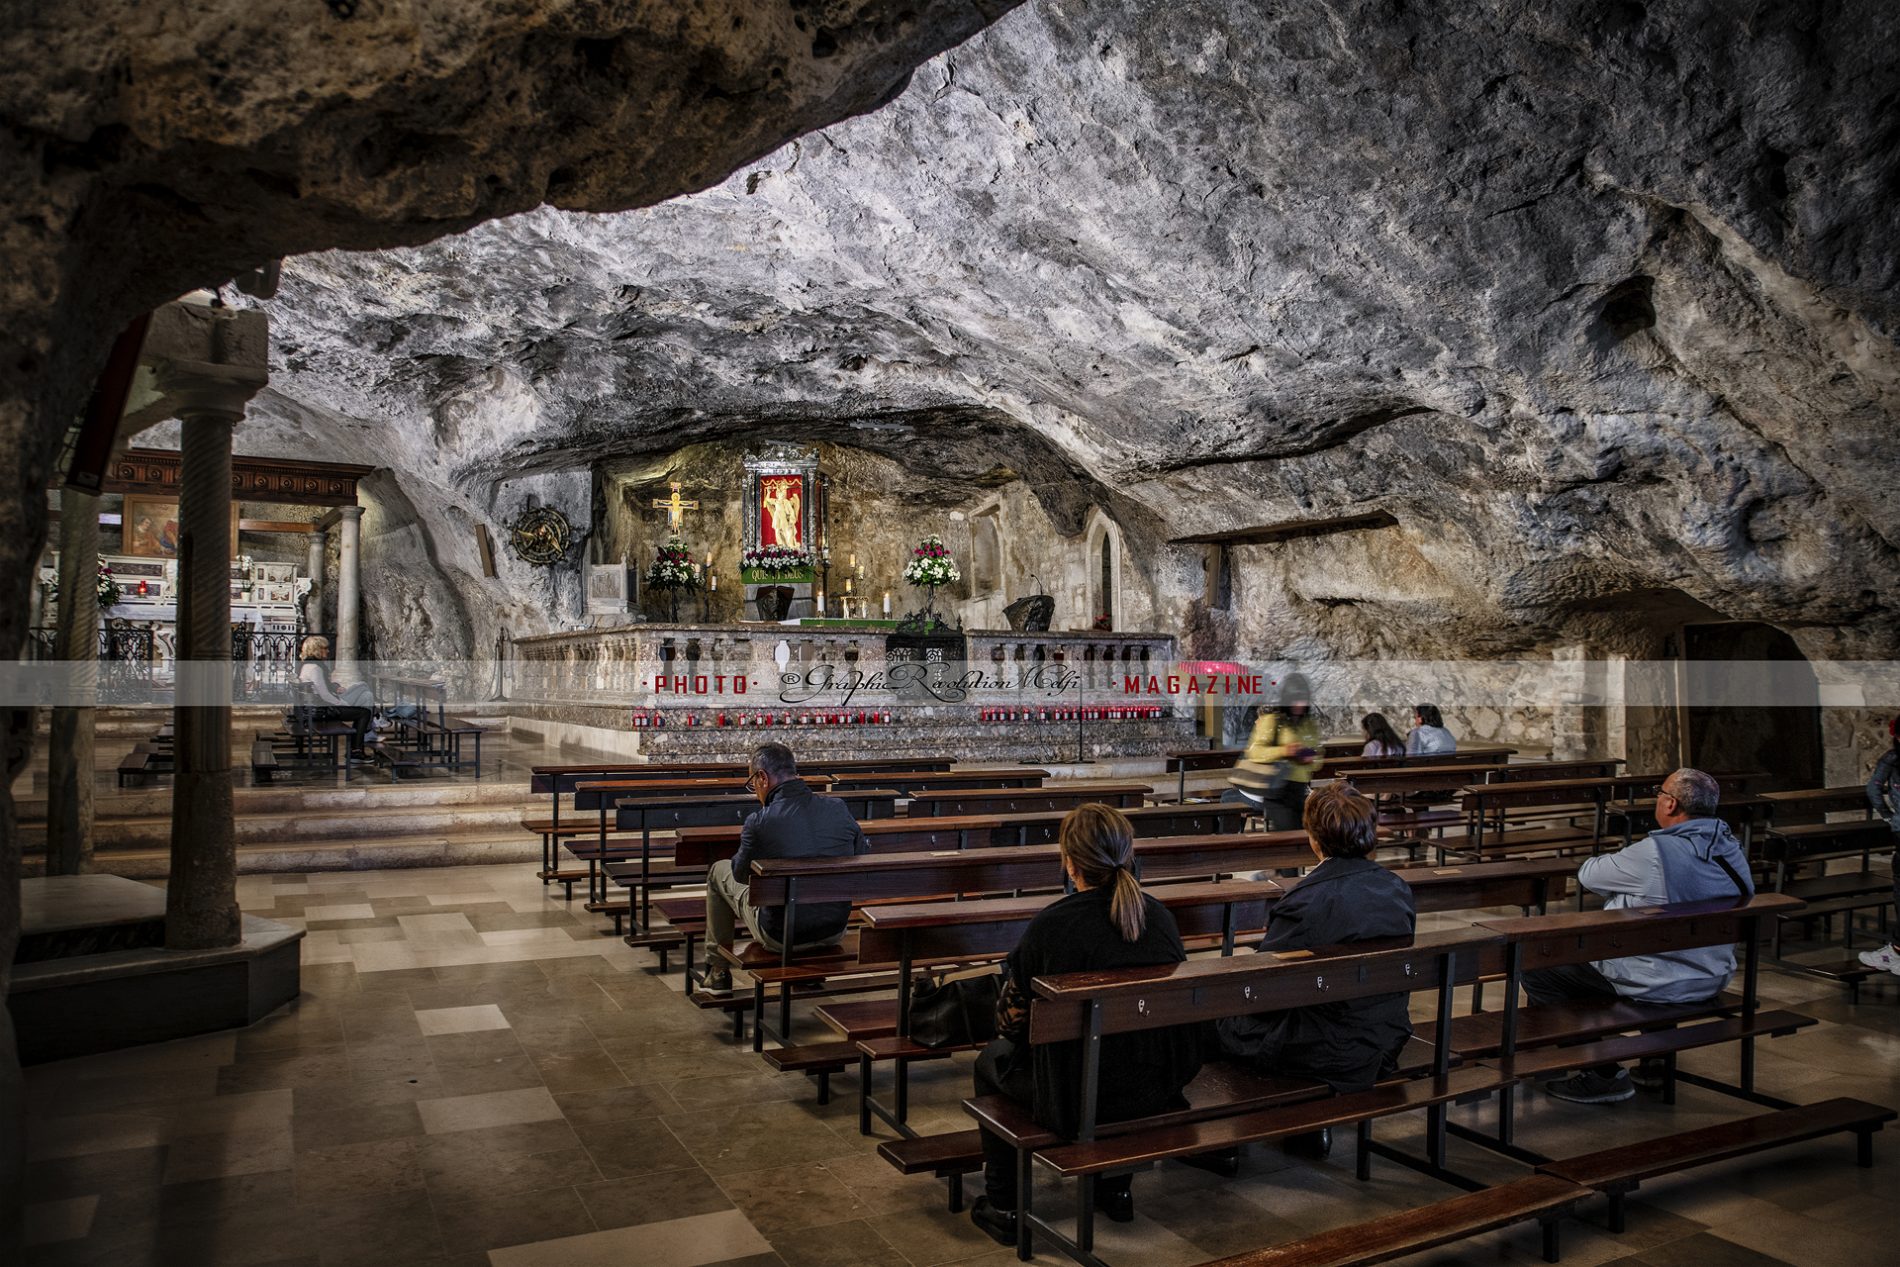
(317, 532)
(351, 511)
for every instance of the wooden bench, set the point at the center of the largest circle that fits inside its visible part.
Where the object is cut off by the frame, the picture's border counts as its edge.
(1617, 1172)
(1544, 1198)
(1813, 805)
(1529, 1042)
(904, 938)
(910, 783)
(1741, 812)
(1055, 796)
(1787, 849)
(1477, 753)
(967, 932)
(1180, 763)
(1090, 1006)
(786, 882)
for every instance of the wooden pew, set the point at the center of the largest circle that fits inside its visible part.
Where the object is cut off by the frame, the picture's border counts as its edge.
(910, 783)
(1091, 1005)
(1813, 805)
(1486, 753)
(930, 934)
(1788, 848)
(1536, 1041)
(786, 882)
(908, 935)
(1740, 811)
(1055, 796)
(1179, 763)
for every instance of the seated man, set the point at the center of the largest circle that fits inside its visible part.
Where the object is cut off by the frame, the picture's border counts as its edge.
(1690, 857)
(1348, 897)
(794, 823)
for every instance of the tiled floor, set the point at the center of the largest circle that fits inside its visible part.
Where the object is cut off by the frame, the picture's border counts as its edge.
(474, 1075)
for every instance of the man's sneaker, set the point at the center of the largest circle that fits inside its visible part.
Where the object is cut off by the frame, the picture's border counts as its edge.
(1651, 1074)
(716, 981)
(1884, 959)
(1590, 1087)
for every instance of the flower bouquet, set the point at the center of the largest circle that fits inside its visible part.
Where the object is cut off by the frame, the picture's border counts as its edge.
(108, 586)
(930, 566)
(673, 570)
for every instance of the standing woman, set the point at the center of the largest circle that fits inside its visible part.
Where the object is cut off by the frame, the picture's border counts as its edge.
(1381, 739)
(1428, 735)
(1883, 796)
(1108, 922)
(1281, 757)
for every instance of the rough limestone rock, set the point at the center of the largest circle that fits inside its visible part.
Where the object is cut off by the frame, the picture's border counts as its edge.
(146, 149)
(1595, 300)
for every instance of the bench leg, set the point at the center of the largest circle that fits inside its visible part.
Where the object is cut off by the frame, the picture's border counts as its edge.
(738, 1025)
(864, 1095)
(1864, 1149)
(1615, 1213)
(956, 1194)
(1025, 1191)
(1552, 1249)
(1363, 1166)
(1085, 1214)
(824, 1086)
(758, 1017)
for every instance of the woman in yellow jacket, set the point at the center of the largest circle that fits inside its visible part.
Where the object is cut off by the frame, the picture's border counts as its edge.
(1282, 756)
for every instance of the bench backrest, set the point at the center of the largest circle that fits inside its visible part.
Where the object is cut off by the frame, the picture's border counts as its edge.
(671, 813)
(1544, 771)
(1126, 1000)
(1824, 840)
(1003, 870)
(911, 782)
(1473, 886)
(547, 778)
(1550, 941)
(944, 931)
(1807, 804)
(1027, 800)
(610, 792)
(1399, 780)
(1202, 759)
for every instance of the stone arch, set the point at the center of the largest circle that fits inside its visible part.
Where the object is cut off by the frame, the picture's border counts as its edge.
(1102, 570)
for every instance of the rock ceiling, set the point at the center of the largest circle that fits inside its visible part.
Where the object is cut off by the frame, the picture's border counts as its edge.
(1596, 300)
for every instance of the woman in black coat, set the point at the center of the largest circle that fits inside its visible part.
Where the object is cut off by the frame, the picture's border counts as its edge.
(1108, 922)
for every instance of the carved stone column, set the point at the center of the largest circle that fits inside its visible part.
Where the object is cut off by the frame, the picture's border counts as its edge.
(70, 752)
(207, 362)
(313, 606)
(348, 593)
(201, 901)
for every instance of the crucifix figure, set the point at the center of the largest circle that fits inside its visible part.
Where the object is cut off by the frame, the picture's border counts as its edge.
(675, 507)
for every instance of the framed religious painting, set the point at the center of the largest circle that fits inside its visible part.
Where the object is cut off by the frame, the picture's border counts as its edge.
(148, 526)
(782, 510)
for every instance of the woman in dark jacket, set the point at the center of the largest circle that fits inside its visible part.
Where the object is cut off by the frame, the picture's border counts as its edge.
(1106, 923)
(1348, 897)
(1883, 798)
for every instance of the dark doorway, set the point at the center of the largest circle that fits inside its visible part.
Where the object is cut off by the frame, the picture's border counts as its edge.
(1108, 582)
(1754, 704)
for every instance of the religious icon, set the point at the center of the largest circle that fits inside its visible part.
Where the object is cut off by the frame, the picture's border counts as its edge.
(782, 498)
(541, 535)
(149, 526)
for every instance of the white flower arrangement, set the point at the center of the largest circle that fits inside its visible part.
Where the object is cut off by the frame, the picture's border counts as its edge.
(673, 568)
(931, 565)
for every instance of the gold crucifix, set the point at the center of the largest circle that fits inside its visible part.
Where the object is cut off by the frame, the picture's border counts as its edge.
(674, 506)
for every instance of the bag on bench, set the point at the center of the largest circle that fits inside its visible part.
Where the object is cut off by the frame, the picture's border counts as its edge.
(958, 1011)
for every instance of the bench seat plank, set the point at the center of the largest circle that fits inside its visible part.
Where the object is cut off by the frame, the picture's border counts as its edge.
(952, 1153)
(1628, 1164)
(1656, 1043)
(1481, 1034)
(1426, 1227)
(1150, 1144)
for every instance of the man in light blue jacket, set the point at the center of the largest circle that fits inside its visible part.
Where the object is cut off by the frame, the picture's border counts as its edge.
(1690, 857)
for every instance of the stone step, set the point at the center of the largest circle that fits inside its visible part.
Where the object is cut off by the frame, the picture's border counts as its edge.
(331, 855)
(283, 798)
(377, 822)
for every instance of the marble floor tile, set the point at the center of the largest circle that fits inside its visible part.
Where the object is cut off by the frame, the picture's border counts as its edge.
(652, 1198)
(491, 1108)
(349, 910)
(461, 1020)
(233, 1153)
(684, 1242)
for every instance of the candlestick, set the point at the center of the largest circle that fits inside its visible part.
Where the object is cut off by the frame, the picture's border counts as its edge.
(712, 582)
(821, 602)
(887, 602)
(854, 561)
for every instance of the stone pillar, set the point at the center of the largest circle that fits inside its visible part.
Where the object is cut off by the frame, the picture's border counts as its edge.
(313, 606)
(70, 752)
(348, 591)
(201, 907)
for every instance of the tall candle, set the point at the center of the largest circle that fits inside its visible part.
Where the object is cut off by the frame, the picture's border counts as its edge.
(712, 581)
(821, 602)
(887, 602)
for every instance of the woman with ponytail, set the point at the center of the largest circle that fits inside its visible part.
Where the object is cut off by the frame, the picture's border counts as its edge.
(1107, 922)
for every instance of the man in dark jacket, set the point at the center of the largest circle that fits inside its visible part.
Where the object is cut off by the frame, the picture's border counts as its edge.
(1348, 897)
(793, 823)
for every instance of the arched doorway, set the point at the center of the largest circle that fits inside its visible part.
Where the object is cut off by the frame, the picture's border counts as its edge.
(1753, 704)
(1107, 605)
(1101, 570)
